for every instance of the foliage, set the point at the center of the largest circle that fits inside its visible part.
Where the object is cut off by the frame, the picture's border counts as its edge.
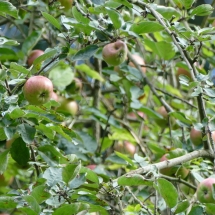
(45, 153)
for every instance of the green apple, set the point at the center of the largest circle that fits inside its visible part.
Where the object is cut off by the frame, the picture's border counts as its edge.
(196, 137)
(75, 86)
(115, 53)
(67, 4)
(38, 90)
(205, 191)
(33, 55)
(68, 106)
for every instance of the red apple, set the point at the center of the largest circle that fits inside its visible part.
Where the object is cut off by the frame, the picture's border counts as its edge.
(33, 55)
(38, 90)
(68, 106)
(196, 137)
(140, 61)
(115, 53)
(205, 191)
(125, 147)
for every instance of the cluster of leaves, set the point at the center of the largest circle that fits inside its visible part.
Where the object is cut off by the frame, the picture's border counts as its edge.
(44, 171)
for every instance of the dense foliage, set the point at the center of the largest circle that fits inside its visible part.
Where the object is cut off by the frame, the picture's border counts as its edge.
(135, 138)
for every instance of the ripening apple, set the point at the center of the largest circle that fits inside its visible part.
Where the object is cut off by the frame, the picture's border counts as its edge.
(67, 4)
(182, 71)
(38, 90)
(115, 53)
(140, 61)
(205, 191)
(68, 106)
(125, 147)
(178, 171)
(54, 96)
(91, 166)
(33, 55)
(196, 137)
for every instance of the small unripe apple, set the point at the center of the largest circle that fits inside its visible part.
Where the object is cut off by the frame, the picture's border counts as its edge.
(67, 4)
(38, 90)
(182, 71)
(33, 55)
(196, 137)
(140, 61)
(205, 191)
(162, 122)
(115, 53)
(68, 106)
(125, 147)
(75, 86)
(5, 181)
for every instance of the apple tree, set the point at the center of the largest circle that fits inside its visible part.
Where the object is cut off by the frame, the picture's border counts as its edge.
(107, 107)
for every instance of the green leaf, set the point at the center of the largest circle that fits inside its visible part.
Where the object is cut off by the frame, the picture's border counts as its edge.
(53, 175)
(62, 75)
(188, 3)
(88, 141)
(134, 180)
(146, 27)
(210, 208)
(202, 10)
(40, 194)
(124, 2)
(70, 172)
(53, 153)
(124, 157)
(150, 113)
(20, 152)
(7, 202)
(180, 116)
(165, 50)
(115, 17)
(168, 192)
(44, 56)
(27, 132)
(196, 210)
(60, 131)
(4, 41)
(7, 54)
(31, 41)
(71, 209)
(182, 206)
(18, 68)
(167, 12)
(90, 72)
(27, 211)
(210, 92)
(3, 160)
(7, 8)
(2, 134)
(32, 203)
(86, 53)
(16, 113)
(78, 16)
(52, 20)
(46, 130)
(92, 176)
